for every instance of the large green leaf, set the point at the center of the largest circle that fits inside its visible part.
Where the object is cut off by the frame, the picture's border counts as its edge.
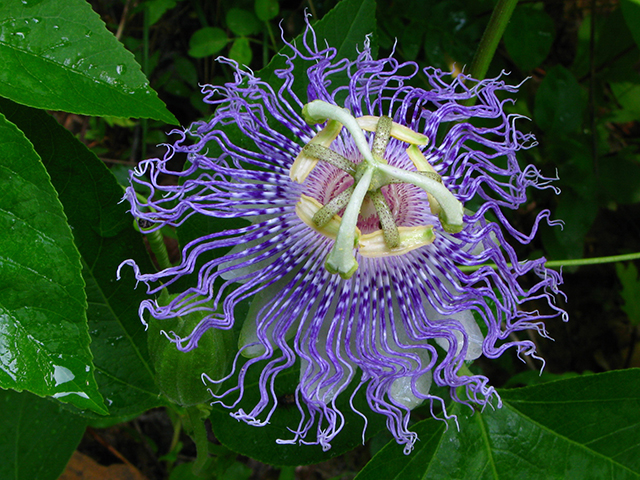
(528, 37)
(585, 427)
(38, 437)
(613, 48)
(44, 340)
(105, 236)
(559, 102)
(59, 56)
(631, 12)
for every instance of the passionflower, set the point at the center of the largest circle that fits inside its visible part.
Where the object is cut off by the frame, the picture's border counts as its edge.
(361, 206)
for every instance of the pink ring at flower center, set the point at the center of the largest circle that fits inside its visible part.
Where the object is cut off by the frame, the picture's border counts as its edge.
(408, 203)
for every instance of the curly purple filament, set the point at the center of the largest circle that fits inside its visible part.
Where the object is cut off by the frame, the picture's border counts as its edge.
(402, 321)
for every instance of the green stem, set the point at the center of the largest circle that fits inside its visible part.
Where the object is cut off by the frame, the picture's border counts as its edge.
(568, 263)
(156, 241)
(271, 36)
(199, 438)
(491, 37)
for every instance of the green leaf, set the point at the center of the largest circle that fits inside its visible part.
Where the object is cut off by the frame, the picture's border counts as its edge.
(207, 41)
(267, 9)
(630, 291)
(105, 237)
(614, 47)
(528, 37)
(38, 437)
(45, 340)
(157, 8)
(578, 214)
(620, 180)
(241, 51)
(242, 22)
(59, 56)
(586, 427)
(628, 97)
(559, 103)
(631, 12)
(343, 28)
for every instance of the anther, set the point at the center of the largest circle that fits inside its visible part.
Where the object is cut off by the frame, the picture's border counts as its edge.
(389, 227)
(381, 139)
(327, 155)
(326, 213)
(303, 165)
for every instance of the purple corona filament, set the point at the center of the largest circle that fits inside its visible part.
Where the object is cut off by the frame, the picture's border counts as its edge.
(354, 238)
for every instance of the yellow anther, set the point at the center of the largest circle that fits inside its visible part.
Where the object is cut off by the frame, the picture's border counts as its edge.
(369, 123)
(373, 245)
(304, 164)
(307, 207)
(423, 165)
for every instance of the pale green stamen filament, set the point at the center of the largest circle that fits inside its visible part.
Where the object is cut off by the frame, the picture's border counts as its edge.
(308, 207)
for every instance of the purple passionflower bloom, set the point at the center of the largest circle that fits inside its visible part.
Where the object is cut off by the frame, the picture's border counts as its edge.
(354, 259)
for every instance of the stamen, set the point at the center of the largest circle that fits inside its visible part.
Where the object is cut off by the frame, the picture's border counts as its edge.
(341, 259)
(381, 139)
(303, 164)
(308, 207)
(369, 123)
(423, 166)
(374, 245)
(389, 227)
(451, 209)
(326, 213)
(327, 155)
(419, 160)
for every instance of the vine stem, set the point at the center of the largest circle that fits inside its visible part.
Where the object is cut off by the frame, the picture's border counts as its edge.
(156, 241)
(491, 37)
(568, 263)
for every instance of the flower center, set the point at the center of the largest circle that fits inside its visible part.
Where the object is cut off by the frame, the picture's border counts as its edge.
(364, 195)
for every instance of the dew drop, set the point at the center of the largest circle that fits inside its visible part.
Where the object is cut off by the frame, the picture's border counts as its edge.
(120, 69)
